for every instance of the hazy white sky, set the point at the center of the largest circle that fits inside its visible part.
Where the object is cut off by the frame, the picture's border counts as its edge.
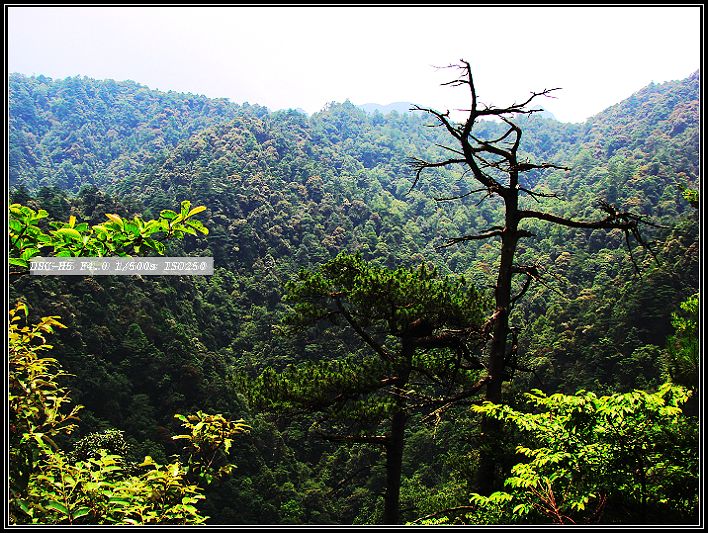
(307, 56)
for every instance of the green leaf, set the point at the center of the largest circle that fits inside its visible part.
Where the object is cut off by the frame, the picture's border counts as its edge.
(69, 232)
(15, 225)
(15, 209)
(119, 501)
(148, 461)
(58, 506)
(197, 225)
(29, 253)
(18, 262)
(81, 511)
(24, 507)
(196, 210)
(115, 218)
(131, 227)
(159, 247)
(519, 509)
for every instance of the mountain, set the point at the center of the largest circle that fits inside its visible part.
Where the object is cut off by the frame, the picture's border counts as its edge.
(79, 131)
(286, 191)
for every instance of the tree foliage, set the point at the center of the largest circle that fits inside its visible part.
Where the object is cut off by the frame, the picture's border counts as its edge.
(683, 350)
(51, 486)
(629, 457)
(399, 298)
(117, 236)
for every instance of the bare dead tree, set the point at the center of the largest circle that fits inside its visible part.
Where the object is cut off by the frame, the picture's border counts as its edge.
(497, 170)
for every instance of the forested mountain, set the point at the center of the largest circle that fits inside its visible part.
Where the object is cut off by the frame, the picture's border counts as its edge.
(81, 131)
(285, 192)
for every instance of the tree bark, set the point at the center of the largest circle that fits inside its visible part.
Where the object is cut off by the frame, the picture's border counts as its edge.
(491, 429)
(394, 447)
(394, 466)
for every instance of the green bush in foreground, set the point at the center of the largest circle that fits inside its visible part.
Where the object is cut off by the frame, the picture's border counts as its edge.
(50, 486)
(630, 458)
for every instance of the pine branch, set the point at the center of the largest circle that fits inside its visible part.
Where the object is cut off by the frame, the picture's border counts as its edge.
(378, 348)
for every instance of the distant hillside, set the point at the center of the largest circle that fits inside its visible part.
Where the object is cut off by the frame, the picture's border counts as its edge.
(82, 131)
(78, 130)
(399, 107)
(658, 113)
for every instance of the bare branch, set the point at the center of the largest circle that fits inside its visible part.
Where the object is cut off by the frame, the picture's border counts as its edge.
(511, 130)
(520, 234)
(446, 402)
(528, 370)
(502, 165)
(631, 254)
(615, 220)
(525, 167)
(521, 294)
(488, 235)
(486, 146)
(536, 195)
(427, 374)
(518, 108)
(533, 272)
(444, 119)
(625, 221)
(473, 108)
(449, 149)
(489, 194)
(419, 165)
(516, 129)
(465, 195)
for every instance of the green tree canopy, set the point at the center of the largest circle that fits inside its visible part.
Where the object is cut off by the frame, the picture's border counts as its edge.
(418, 334)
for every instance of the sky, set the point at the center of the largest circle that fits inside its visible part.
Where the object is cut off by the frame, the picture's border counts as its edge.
(306, 57)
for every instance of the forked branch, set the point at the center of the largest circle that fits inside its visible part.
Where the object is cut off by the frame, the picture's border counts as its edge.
(623, 220)
(419, 165)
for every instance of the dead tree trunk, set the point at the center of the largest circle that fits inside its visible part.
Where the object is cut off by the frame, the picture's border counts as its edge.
(486, 474)
(494, 165)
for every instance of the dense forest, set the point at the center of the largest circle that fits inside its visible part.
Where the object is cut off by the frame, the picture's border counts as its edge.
(342, 345)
